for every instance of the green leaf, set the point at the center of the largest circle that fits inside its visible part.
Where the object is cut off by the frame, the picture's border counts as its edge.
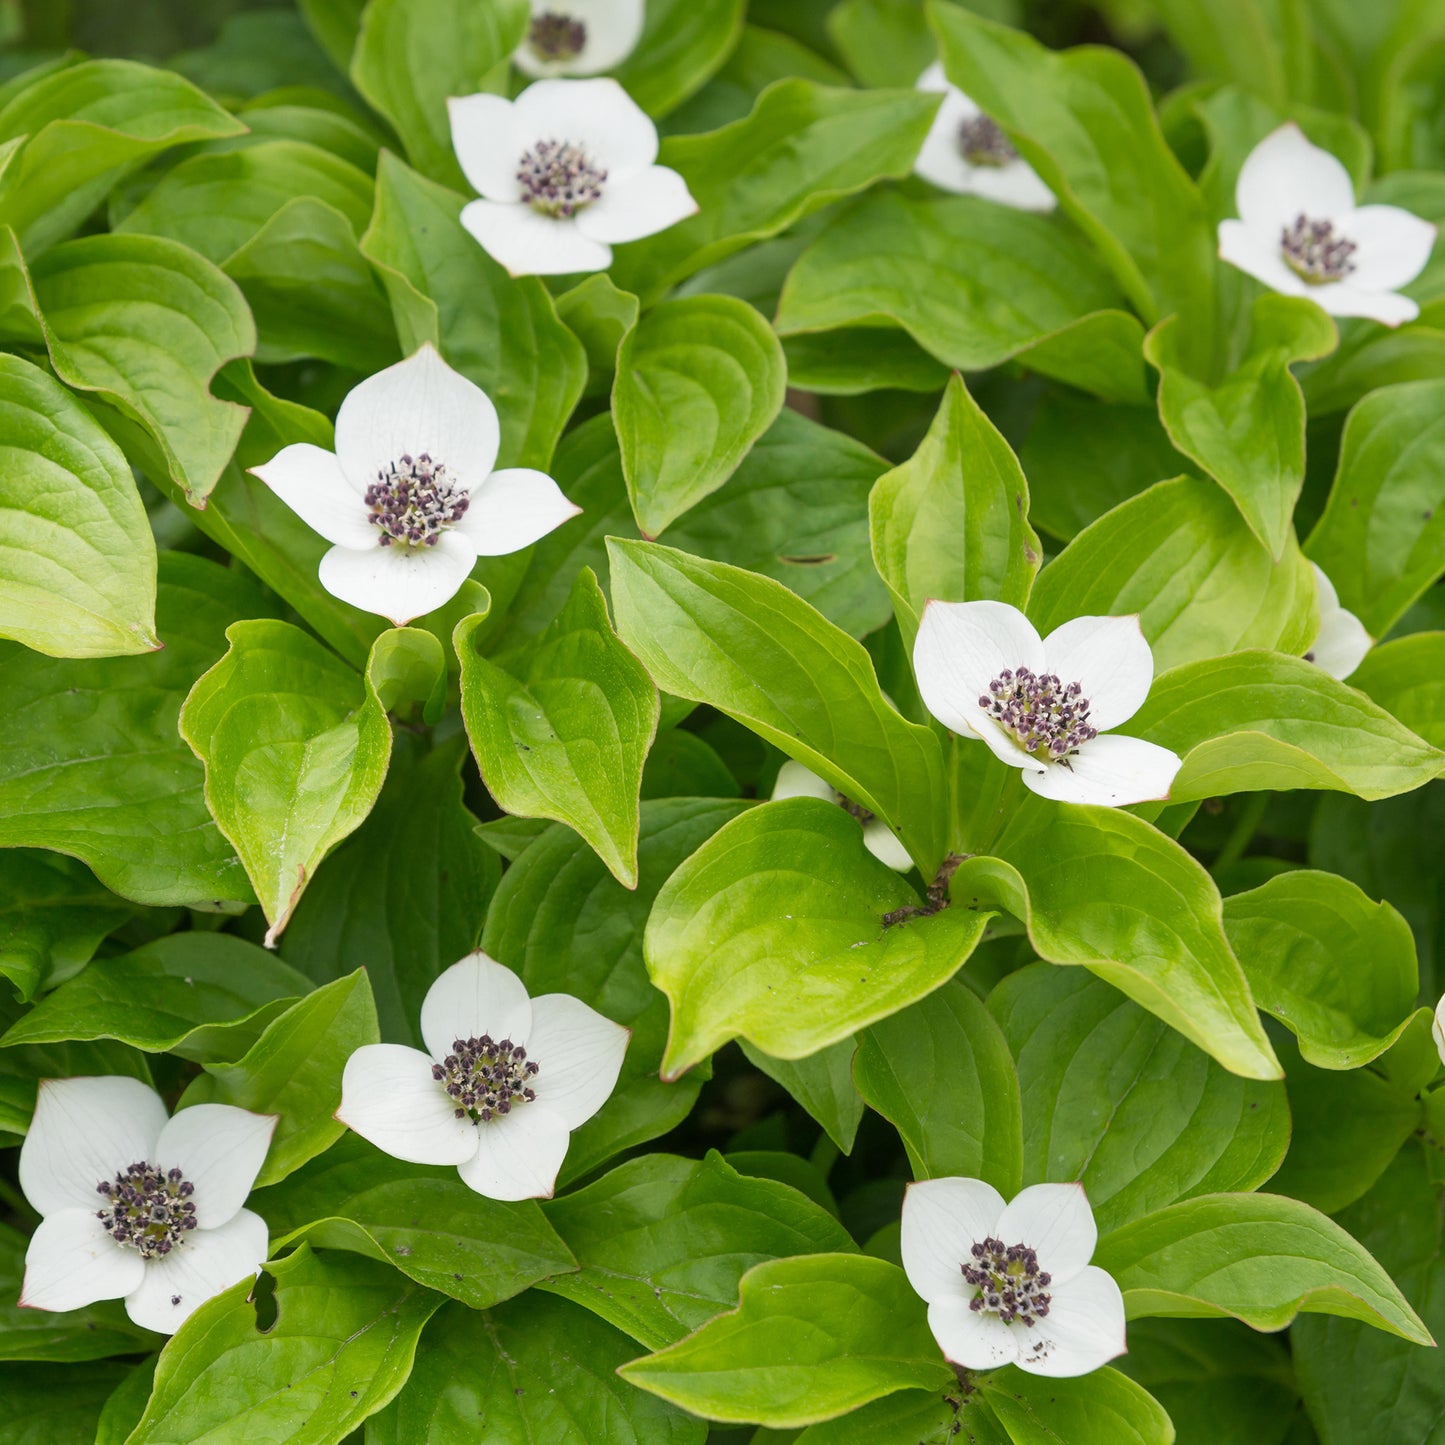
(1407, 678)
(907, 1417)
(681, 47)
(404, 896)
(811, 1338)
(90, 761)
(500, 331)
(1331, 964)
(86, 127)
(204, 996)
(126, 1404)
(53, 916)
(1346, 1129)
(562, 730)
(1381, 540)
(974, 284)
(1182, 557)
(217, 202)
(1221, 1383)
(699, 380)
(412, 54)
(952, 522)
(802, 146)
(822, 1083)
(1264, 45)
(146, 324)
(1115, 1099)
(424, 1222)
(80, 564)
(861, 358)
(90, 1333)
(1363, 1386)
(663, 1241)
(295, 747)
(775, 930)
(563, 922)
(1082, 459)
(1247, 430)
(1083, 119)
(1261, 1258)
(341, 1347)
(311, 290)
(795, 510)
(1259, 720)
(1103, 1408)
(1100, 887)
(599, 316)
(294, 1070)
(749, 647)
(884, 42)
(55, 1404)
(941, 1073)
(535, 1370)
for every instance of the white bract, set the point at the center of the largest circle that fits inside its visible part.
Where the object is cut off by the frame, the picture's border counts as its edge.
(1300, 232)
(409, 498)
(136, 1206)
(504, 1081)
(1044, 705)
(565, 172)
(1342, 642)
(796, 781)
(1438, 1028)
(966, 151)
(1012, 1284)
(579, 37)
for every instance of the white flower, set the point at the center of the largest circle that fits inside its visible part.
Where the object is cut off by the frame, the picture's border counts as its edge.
(966, 151)
(1042, 705)
(796, 781)
(1438, 1028)
(1342, 642)
(579, 37)
(409, 497)
(504, 1081)
(1300, 232)
(1012, 1284)
(138, 1207)
(566, 172)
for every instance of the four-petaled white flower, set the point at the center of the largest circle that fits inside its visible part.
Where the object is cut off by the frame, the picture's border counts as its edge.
(138, 1207)
(565, 172)
(1012, 1284)
(409, 498)
(1300, 232)
(1342, 642)
(1043, 705)
(579, 37)
(796, 781)
(504, 1081)
(966, 151)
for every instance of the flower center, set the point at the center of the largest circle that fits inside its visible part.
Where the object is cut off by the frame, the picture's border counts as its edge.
(555, 36)
(1315, 251)
(485, 1078)
(1009, 1282)
(981, 142)
(558, 178)
(148, 1210)
(1049, 721)
(854, 810)
(413, 501)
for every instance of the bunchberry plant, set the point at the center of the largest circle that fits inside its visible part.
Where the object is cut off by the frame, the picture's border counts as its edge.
(722, 722)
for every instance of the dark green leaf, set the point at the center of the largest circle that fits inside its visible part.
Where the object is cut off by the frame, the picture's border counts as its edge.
(663, 1241)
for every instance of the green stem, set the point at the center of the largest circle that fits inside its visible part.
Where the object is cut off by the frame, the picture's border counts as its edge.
(1251, 815)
